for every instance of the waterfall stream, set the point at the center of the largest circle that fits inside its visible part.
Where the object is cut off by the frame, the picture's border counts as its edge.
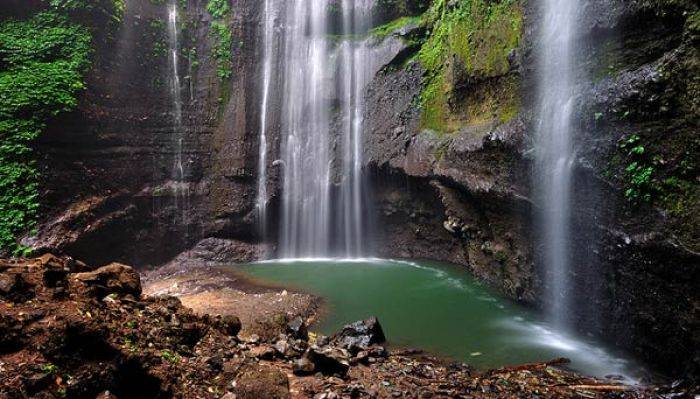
(175, 88)
(268, 49)
(554, 148)
(322, 82)
(180, 190)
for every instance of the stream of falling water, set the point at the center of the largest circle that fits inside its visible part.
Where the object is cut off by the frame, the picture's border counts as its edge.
(178, 170)
(268, 49)
(322, 194)
(554, 148)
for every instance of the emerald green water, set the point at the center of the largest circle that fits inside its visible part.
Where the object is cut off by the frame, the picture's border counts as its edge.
(438, 308)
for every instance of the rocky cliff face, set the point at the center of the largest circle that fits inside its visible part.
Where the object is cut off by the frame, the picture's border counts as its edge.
(109, 167)
(459, 189)
(448, 146)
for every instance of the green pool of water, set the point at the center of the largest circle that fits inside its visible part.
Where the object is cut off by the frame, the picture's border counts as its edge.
(435, 307)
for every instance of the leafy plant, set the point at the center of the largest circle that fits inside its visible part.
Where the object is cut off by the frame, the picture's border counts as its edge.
(169, 356)
(218, 8)
(41, 64)
(222, 50)
(49, 368)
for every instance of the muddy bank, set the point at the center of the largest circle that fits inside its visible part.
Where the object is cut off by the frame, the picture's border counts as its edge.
(209, 287)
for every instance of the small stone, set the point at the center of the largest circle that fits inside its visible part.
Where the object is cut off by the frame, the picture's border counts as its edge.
(263, 352)
(106, 395)
(216, 362)
(282, 347)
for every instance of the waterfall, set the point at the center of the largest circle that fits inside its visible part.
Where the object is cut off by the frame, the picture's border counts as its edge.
(175, 87)
(555, 155)
(180, 189)
(322, 206)
(268, 49)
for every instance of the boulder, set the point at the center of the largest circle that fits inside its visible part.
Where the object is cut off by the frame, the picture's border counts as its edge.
(360, 335)
(111, 279)
(328, 361)
(296, 328)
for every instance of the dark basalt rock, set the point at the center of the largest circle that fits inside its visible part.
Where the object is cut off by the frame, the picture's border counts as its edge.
(360, 335)
(297, 328)
(328, 361)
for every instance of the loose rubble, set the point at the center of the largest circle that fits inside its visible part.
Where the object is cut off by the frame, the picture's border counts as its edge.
(69, 331)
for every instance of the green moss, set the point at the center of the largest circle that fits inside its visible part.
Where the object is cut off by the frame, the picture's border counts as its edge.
(393, 26)
(42, 60)
(474, 38)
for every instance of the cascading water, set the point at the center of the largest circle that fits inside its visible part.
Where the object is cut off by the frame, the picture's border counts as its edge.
(554, 148)
(268, 56)
(175, 87)
(318, 71)
(306, 120)
(354, 61)
(180, 188)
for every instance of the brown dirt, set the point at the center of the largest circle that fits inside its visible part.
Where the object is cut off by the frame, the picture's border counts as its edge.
(222, 290)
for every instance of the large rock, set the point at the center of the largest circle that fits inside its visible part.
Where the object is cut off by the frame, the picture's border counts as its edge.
(360, 335)
(328, 361)
(111, 279)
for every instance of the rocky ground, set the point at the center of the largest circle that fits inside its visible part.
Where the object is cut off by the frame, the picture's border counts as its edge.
(67, 330)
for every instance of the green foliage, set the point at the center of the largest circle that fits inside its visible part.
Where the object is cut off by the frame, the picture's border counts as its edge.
(157, 36)
(169, 356)
(218, 8)
(639, 173)
(49, 368)
(112, 9)
(223, 38)
(41, 65)
(476, 35)
(644, 180)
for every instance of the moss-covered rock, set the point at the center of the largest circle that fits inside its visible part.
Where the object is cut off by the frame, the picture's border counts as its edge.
(469, 56)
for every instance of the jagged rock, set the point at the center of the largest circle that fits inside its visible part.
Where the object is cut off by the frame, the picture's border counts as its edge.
(329, 361)
(297, 328)
(283, 348)
(262, 382)
(360, 335)
(111, 279)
